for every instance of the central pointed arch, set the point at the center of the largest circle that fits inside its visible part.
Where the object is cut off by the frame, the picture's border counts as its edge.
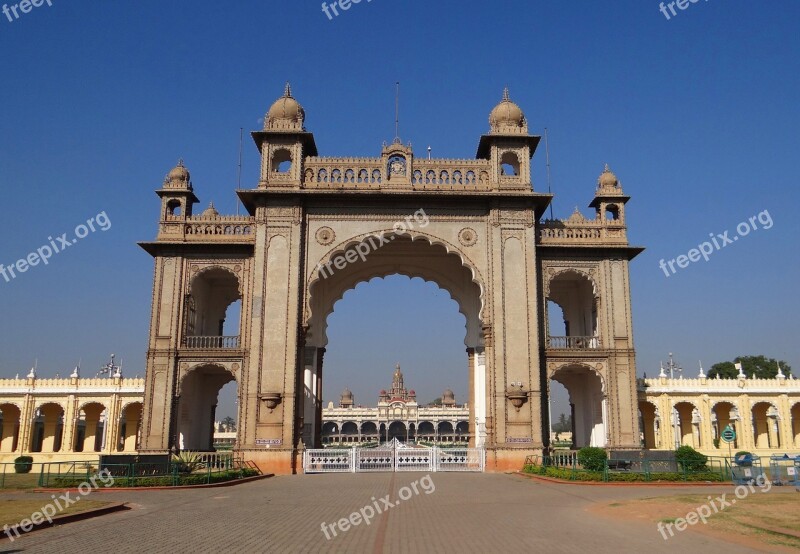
(412, 255)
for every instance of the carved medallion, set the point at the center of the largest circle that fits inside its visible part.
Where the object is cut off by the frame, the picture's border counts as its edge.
(467, 236)
(325, 236)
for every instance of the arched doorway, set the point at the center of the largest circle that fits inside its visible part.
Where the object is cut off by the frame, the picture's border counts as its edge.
(330, 432)
(587, 404)
(9, 428)
(350, 431)
(197, 406)
(90, 428)
(686, 424)
(426, 431)
(723, 414)
(650, 425)
(796, 424)
(421, 259)
(765, 421)
(398, 430)
(47, 429)
(369, 431)
(130, 427)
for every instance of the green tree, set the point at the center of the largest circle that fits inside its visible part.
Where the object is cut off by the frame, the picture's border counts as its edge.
(435, 402)
(759, 367)
(229, 424)
(563, 425)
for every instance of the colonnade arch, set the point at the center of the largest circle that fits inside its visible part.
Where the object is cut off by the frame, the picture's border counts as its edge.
(10, 427)
(47, 430)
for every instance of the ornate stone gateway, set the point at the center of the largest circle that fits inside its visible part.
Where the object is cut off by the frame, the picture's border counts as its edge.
(316, 227)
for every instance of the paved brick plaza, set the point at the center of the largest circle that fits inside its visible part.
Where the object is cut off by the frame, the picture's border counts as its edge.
(465, 513)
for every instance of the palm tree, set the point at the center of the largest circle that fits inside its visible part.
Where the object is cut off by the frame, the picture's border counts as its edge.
(229, 424)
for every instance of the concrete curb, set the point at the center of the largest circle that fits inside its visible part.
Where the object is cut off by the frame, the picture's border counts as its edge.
(66, 518)
(623, 483)
(230, 483)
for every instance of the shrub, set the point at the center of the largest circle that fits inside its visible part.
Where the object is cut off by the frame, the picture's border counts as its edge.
(592, 458)
(23, 464)
(188, 462)
(690, 459)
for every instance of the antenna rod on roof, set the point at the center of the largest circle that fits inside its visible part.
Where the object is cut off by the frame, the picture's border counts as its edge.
(397, 112)
(239, 171)
(547, 158)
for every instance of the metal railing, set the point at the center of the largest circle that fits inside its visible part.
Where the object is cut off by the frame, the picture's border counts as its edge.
(386, 458)
(211, 342)
(573, 343)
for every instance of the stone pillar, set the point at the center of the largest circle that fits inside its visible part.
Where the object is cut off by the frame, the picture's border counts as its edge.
(26, 424)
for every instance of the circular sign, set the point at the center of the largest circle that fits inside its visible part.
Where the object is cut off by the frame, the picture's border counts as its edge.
(729, 435)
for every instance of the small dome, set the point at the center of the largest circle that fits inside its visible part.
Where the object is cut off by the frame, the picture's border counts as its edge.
(179, 175)
(448, 394)
(286, 112)
(507, 116)
(383, 392)
(347, 394)
(412, 392)
(607, 179)
(211, 211)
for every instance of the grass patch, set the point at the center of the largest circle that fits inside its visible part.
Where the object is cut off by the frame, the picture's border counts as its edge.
(19, 480)
(14, 511)
(768, 517)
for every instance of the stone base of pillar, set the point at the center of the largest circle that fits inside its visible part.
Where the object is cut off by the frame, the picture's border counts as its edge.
(504, 459)
(280, 461)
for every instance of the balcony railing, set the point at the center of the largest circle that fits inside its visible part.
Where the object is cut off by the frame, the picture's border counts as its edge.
(574, 343)
(211, 342)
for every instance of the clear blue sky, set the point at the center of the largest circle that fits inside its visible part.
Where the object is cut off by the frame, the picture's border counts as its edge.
(698, 116)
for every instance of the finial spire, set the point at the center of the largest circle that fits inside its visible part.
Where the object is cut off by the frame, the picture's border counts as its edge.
(506, 97)
(287, 92)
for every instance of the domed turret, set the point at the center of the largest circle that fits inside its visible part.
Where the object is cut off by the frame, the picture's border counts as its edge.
(607, 179)
(346, 400)
(448, 398)
(178, 177)
(285, 113)
(507, 117)
(211, 211)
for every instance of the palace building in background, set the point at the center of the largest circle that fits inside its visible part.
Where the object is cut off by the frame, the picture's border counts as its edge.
(76, 418)
(396, 416)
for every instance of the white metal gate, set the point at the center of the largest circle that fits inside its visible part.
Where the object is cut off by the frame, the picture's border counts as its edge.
(393, 457)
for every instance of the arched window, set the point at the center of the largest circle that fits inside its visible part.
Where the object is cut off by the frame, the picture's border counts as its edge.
(509, 165)
(282, 161)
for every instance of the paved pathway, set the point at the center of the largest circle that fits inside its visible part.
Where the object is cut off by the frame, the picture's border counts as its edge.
(465, 513)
